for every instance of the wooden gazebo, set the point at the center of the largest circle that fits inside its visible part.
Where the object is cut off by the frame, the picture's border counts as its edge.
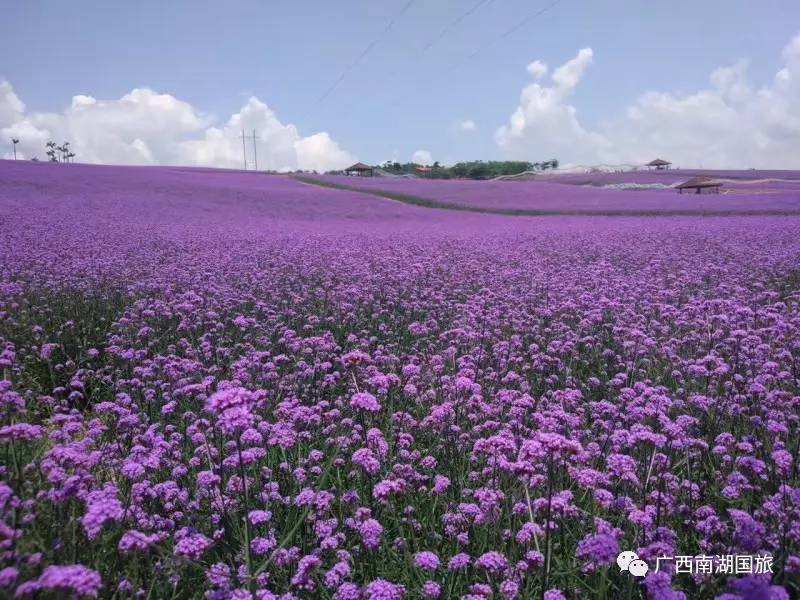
(659, 164)
(359, 169)
(700, 185)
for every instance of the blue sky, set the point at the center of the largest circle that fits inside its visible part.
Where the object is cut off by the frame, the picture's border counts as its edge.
(400, 97)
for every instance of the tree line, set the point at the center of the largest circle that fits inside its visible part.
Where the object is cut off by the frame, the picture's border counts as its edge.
(474, 169)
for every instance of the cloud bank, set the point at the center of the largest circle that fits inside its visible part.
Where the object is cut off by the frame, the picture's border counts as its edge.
(729, 124)
(145, 127)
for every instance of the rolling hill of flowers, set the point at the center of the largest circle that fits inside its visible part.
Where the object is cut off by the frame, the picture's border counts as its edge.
(673, 176)
(584, 194)
(231, 386)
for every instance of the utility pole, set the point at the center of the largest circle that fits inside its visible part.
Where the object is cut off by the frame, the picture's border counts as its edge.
(244, 152)
(255, 151)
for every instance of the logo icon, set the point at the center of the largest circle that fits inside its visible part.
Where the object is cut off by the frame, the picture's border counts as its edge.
(630, 561)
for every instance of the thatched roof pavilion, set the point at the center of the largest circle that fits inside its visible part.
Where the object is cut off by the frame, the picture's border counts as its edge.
(359, 169)
(700, 185)
(659, 164)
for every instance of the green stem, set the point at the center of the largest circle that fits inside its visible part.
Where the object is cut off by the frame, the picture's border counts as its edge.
(248, 560)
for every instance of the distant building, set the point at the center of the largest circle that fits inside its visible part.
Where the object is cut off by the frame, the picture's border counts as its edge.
(423, 170)
(659, 164)
(359, 170)
(700, 185)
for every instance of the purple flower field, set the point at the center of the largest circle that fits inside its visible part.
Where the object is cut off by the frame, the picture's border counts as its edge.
(230, 385)
(671, 176)
(549, 197)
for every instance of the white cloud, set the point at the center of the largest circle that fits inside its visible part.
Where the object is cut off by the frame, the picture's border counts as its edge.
(422, 157)
(145, 127)
(568, 75)
(467, 125)
(537, 69)
(11, 107)
(728, 124)
(319, 152)
(545, 125)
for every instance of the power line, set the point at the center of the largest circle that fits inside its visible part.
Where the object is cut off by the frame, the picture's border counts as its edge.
(528, 19)
(452, 24)
(255, 150)
(366, 51)
(509, 31)
(244, 152)
(514, 28)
